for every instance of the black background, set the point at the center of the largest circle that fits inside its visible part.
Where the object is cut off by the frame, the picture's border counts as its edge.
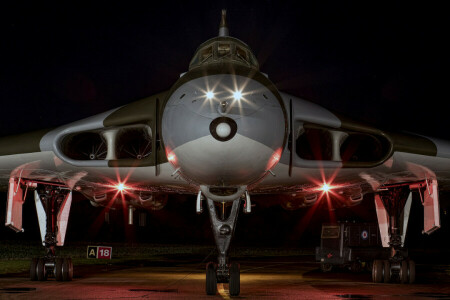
(385, 63)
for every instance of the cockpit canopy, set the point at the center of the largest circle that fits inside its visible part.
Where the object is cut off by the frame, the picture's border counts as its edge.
(224, 49)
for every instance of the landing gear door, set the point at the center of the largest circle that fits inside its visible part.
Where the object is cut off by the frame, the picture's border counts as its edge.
(14, 205)
(430, 202)
(383, 221)
(63, 219)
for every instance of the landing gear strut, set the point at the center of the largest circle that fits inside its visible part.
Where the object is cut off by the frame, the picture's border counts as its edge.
(223, 229)
(52, 206)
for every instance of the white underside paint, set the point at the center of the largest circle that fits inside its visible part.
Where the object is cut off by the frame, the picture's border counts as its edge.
(211, 162)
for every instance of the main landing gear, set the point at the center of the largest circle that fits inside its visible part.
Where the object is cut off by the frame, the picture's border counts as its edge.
(52, 206)
(53, 202)
(393, 204)
(223, 226)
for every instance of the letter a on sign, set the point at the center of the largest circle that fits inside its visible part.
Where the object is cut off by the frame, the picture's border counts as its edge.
(92, 251)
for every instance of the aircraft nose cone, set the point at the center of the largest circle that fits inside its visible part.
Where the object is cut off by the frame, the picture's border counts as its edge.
(223, 130)
(216, 128)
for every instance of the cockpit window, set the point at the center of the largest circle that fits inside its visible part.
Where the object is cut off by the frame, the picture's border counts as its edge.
(223, 49)
(205, 54)
(241, 53)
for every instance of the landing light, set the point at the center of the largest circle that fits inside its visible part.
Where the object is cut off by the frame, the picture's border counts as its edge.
(237, 95)
(209, 95)
(121, 187)
(325, 187)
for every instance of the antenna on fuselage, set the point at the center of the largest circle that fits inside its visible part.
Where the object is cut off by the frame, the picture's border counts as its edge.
(223, 27)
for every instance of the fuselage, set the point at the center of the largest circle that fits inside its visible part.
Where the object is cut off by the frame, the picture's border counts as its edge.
(224, 129)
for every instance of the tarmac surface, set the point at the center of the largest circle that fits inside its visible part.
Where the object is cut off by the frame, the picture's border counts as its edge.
(261, 277)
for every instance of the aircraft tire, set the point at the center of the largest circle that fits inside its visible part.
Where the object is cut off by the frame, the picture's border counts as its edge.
(70, 269)
(33, 271)
(386, 271)
(67, 269)
(40, 270)
(404, 272)
(412, 271)
(377, 271)
(235, 279)
(58, 269)
(211, 279)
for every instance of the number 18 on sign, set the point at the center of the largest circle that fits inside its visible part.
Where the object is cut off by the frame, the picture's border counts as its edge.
(99, 252)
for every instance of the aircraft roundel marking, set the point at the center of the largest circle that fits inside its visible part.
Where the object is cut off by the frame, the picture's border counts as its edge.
(364, 234)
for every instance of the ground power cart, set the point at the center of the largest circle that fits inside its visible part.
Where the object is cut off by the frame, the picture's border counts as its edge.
(349, 245)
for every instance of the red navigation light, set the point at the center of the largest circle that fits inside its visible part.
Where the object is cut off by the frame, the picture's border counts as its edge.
(275, 158)
(171, 157)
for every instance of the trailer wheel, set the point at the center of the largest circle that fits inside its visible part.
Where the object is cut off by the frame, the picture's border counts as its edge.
(356, 266)
(369, 266)
(326, 267)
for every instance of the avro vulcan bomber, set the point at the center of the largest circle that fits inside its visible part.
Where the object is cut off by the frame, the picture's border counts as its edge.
(224, 133)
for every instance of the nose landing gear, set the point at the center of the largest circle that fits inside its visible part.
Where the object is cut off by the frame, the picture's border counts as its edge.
(223, 272)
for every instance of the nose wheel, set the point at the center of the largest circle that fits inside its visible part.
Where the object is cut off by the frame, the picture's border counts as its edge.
(211, 279)
(233, 279)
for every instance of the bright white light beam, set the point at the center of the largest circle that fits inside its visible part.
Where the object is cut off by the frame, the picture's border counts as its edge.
(237, 95)
(325, 187)
(209, 95)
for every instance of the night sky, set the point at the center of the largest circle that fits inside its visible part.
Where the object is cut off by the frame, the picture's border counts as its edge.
(382, 63)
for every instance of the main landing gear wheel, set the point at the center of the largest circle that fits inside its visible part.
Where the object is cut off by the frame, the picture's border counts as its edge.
(211, 279)
(412, 271)
(33, 271)
(377, 271)
(58, 269)
(387, 271)
(67, 269)
(40, 270)
(44, 267)
(407, 272)
(404, 272)
(381, 271)
(235, 279)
